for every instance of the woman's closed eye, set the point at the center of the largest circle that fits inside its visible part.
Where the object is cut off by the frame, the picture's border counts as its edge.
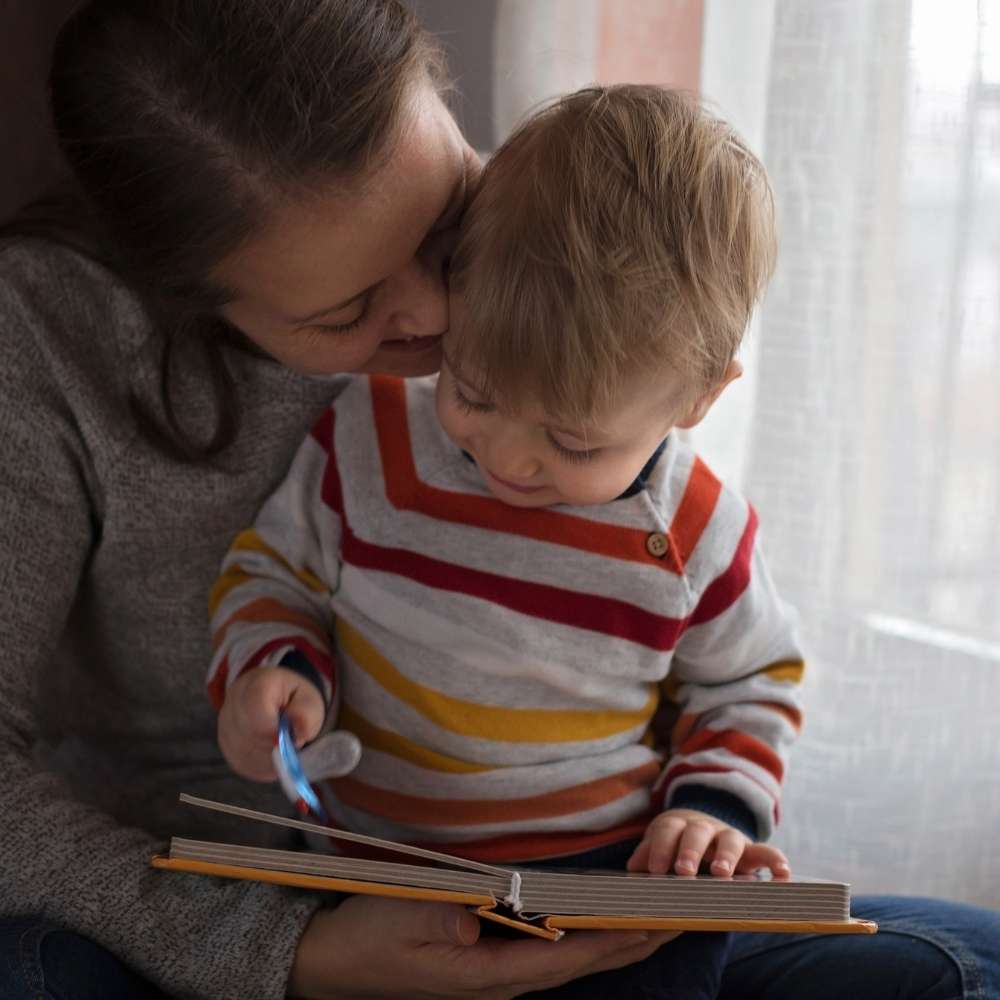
(339, 328)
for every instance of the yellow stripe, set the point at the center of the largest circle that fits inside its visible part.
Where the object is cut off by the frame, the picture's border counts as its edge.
(786, 670)
(509, 725)
(373, 737)
(235, 575)
(250, 541)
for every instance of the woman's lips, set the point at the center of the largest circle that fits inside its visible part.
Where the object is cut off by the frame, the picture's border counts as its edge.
(514, 486)
(410, 345)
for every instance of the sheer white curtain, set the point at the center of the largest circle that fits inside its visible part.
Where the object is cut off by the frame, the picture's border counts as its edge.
(874, 451)
(867, 430)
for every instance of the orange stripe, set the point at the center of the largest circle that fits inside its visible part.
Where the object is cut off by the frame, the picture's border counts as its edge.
(468, 812)
(406, 492)
(686, 722)
(683, 728)
(793, 715)
(701, 493)
(234, 576)
(742, 744)
(267, 609)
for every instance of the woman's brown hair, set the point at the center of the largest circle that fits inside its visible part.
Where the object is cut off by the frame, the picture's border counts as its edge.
(185, 121)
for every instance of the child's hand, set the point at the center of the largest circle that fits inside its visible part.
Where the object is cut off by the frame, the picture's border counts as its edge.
(682, 839)
(248, 720)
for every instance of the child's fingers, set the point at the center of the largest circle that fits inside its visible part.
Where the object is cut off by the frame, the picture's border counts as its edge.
(664, 835)
(694, 842)
(639, 860)
(729, 847)
(764, 856)
(306, 711)
(265, 691)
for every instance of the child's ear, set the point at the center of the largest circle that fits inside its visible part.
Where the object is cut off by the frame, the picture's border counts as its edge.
(701, 406)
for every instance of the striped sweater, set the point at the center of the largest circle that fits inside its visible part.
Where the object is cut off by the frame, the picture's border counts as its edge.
(525, 683)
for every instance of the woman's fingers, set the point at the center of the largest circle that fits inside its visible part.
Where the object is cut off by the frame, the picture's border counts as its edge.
(517, 967)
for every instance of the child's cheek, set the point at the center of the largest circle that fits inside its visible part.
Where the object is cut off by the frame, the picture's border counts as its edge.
(593, 484)
(452, 420)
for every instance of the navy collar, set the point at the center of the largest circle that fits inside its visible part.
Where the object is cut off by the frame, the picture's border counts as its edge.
(639, 483)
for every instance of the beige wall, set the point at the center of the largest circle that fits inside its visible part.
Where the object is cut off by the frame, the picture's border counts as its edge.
(650, 41)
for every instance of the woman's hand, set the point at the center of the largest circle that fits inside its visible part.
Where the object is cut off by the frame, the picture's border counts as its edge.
(376, 947)
(682, 838)
(248, 719)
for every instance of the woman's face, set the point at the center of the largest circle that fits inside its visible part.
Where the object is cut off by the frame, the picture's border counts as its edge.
(352, 279)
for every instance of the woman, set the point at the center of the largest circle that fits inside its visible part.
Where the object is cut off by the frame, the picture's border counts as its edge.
(263, 194)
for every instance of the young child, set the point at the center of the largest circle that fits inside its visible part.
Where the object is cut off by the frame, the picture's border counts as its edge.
(548, 623)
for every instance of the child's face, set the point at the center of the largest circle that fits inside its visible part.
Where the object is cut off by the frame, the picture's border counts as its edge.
(527, 460)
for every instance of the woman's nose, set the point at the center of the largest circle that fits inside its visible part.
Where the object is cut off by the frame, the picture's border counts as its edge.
(420, 297)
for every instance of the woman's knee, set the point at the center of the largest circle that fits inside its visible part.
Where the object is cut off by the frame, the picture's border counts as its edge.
(42, 961)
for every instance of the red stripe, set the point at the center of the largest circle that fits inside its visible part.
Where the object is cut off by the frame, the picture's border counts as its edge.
(738, 743)
(322, 430)
(679, 770)
(724, 590)
(406, 491)
(604, 615)
(537, 600)
(217, 684)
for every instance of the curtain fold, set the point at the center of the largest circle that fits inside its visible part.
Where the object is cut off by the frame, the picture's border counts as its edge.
(874, 452)
(867, 432)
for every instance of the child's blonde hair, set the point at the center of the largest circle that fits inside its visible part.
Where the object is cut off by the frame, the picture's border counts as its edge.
(620, 231)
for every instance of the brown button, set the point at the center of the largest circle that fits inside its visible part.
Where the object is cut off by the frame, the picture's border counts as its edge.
(656, 544)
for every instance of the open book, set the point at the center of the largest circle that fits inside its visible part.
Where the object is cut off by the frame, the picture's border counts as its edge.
(535, 900)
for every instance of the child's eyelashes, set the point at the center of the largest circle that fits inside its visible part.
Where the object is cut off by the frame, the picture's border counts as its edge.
(466, 404)
(572, 454)
(469, 406)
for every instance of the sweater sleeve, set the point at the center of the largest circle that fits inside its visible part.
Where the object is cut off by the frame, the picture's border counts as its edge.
(734, 680)
(272, 598)
(64, 859)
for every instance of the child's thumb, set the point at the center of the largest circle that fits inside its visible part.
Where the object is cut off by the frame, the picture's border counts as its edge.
(305, 711)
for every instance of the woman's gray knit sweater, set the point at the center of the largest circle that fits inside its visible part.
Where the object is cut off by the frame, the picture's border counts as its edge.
(107, 551)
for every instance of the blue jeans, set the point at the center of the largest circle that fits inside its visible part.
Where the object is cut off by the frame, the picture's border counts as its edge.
(926, 949)
(39, 961)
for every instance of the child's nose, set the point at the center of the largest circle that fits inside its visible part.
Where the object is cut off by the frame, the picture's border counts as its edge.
(513, 459)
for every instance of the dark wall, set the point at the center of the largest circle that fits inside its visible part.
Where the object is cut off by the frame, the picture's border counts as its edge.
(28, 154)
(466, 28)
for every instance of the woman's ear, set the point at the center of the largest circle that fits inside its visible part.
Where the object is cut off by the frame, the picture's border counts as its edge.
(701, 406)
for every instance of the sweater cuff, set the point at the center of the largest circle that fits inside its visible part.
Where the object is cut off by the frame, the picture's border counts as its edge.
(715, 802)
(297, 661)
